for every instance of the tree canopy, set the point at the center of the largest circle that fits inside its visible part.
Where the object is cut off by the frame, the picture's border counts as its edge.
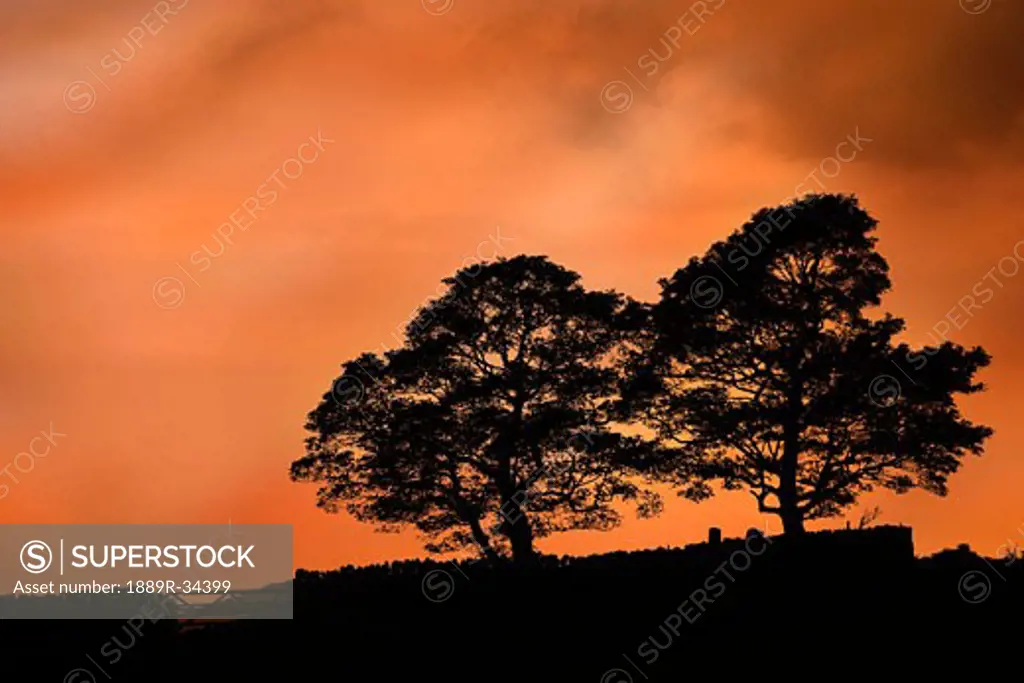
(521, 404)
(763, 369)
(493, 425)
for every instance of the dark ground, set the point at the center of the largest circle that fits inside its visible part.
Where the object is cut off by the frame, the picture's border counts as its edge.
(831, 605)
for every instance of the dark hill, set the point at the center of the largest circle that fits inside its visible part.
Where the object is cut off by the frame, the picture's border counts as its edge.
(826, 603)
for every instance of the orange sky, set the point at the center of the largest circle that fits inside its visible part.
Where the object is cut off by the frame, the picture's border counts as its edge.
(450, 118)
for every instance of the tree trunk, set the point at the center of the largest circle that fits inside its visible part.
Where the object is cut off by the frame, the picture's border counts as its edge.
(789, 510)
(470, 514)
(483, 541)
(515, 522)
(792, 521)
(520, 535)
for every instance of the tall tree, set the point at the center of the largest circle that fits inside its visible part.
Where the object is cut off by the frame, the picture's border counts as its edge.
(764, 369)
(493, 424)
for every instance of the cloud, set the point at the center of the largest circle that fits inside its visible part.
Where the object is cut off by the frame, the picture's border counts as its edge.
(934, 85)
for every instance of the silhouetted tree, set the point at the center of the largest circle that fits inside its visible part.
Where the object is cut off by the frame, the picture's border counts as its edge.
(762, 367)
(492, 425)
